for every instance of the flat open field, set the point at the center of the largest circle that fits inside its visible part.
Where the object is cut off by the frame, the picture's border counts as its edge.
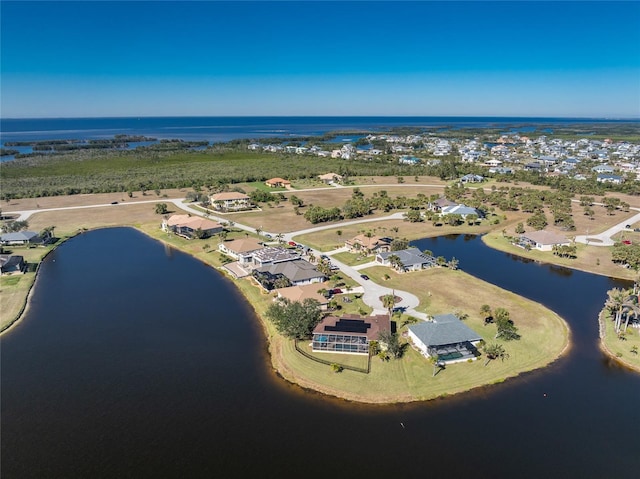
(90, 199)
(70, 221)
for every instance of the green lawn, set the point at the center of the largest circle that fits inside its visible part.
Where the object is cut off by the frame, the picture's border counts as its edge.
(544, 337)
(15, 287)
(621, 349)
(352, 259)
(260, 185)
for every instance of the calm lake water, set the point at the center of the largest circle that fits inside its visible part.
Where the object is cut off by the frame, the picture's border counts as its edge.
(138, 361)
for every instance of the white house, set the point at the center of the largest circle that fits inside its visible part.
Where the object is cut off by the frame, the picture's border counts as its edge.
(543, 240)
(446, 337)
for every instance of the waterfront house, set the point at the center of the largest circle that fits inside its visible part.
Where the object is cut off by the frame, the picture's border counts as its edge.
(348, 334)
(187, 226)
(461, 210)
(10, 263)
(543, 240)
(446, 338)
(299, 293)
(273, 255)
(23, 238)
(368, 244)
(231, 201)
(278, 183)
(240, 249)
(297, 272)
(410, 259)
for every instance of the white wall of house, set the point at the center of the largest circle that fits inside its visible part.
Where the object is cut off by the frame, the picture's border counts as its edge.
(418, 344)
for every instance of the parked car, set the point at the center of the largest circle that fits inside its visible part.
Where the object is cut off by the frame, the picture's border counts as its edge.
(292, 243)
(364, 276)
(268, 236)
(336, 291)
(626, 242)
(114, 202)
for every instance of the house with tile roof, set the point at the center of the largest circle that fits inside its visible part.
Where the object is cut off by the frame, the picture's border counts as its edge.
(299, 293)
(348, 334)
(231, 201)
(330, 178)
(368, 245)
(241, 249)
(543, 240)
(278, 183)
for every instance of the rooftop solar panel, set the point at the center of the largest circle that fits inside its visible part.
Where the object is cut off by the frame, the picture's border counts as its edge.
(349, 326)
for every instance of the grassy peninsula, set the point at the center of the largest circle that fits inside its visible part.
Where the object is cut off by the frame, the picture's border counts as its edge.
(544, 335)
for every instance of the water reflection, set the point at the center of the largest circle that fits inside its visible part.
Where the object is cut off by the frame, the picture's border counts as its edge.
(174, 376)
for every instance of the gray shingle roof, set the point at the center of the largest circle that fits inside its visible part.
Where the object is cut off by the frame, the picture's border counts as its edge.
(444, 329)
(409, 256)
(19, 236)
(296, 270)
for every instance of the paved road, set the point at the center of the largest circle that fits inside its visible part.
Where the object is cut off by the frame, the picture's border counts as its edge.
(372, 291)
(604, 238)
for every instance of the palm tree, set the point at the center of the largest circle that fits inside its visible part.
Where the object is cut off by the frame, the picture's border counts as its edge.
(389, 301)
(494, 351)
(453, 264)
(632, 309)
(395, 261)
(620, 301)
(280, 238)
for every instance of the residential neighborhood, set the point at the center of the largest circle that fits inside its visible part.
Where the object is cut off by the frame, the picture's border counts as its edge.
(612, 161)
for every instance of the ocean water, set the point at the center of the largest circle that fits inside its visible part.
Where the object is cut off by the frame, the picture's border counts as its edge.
(218, 129)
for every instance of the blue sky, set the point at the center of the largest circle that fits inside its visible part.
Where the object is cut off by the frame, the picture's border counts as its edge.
(88, 59)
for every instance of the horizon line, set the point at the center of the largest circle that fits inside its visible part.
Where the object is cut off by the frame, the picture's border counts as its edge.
(616, 118)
